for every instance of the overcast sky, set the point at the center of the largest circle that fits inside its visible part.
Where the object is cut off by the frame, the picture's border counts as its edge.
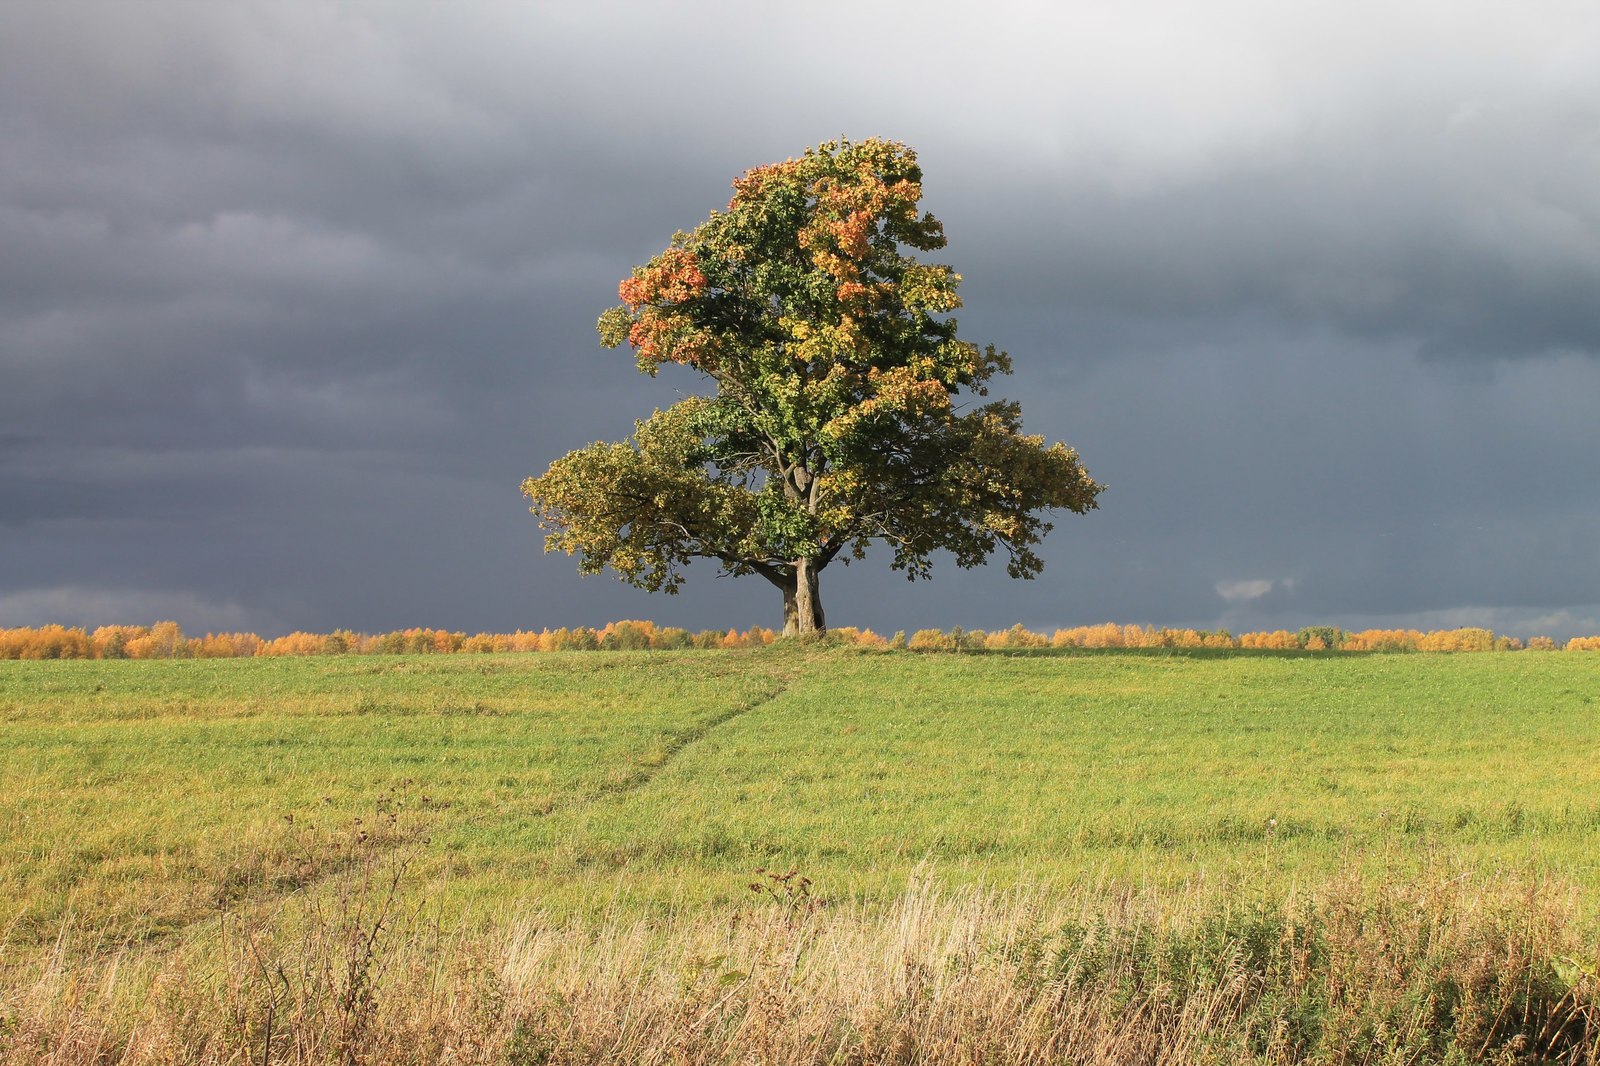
(293, 295)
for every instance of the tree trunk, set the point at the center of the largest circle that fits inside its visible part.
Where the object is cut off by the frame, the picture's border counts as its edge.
(802, 603)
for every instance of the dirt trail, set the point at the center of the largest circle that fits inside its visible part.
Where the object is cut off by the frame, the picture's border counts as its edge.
(644, 773)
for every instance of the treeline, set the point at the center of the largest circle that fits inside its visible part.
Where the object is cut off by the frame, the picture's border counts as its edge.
(1312, 638)
(166, 640)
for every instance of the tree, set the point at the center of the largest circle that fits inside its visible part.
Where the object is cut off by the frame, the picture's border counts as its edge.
(837, 417)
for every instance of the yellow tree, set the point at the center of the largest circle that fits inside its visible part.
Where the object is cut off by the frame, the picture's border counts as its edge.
(843, 410)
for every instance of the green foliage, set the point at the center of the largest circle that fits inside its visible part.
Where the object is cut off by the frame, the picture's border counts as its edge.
(1321, 638)
(838, 416)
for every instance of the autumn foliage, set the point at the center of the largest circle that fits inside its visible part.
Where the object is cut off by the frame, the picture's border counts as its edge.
(166, 640)
(843, 409)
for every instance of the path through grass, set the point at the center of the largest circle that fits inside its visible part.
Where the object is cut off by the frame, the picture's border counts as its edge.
(139, 796)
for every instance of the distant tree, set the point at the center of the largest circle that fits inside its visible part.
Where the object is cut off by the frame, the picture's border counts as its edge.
(836, 418)
(1321, 638)
(932, 640)
(672, 638)
(164, 640)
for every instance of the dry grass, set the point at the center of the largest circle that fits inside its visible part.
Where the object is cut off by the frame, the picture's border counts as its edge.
(1441, 970)
(1356, 860)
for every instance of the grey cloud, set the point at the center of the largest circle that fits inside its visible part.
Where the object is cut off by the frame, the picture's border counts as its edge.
(295, 295)
(91, 607)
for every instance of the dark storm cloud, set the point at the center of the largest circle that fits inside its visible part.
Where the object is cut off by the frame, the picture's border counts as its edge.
(1470, 272)
(295, 295)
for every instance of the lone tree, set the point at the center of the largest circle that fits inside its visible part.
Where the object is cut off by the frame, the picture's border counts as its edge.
(836, 418)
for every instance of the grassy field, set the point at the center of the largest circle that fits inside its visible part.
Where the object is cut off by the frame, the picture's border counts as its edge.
(144, 803)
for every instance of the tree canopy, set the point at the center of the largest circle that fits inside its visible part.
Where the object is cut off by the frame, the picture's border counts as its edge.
(844, 410)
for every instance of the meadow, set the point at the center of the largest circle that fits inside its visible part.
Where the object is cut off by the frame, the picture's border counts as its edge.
(585, 829)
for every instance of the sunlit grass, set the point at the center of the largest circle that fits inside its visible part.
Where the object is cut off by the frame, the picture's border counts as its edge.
(139, 796)
(1240, 770)
(1227, 856)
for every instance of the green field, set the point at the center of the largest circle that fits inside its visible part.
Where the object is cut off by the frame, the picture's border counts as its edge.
(138, 795)
(145, 806)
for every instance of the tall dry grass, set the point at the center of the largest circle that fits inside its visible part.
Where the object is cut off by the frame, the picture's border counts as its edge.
(1441, 970)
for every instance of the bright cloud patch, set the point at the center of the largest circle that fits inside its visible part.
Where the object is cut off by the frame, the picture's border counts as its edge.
(1239, 591)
